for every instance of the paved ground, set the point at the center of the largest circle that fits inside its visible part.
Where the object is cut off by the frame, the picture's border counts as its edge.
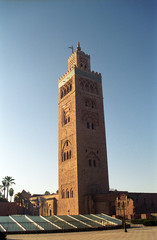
(141, 233)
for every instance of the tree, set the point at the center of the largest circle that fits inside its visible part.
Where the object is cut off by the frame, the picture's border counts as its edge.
(9, 181)
(1, 189)
(3, 186)
(47, 193)
(11, 193)
(19, 199)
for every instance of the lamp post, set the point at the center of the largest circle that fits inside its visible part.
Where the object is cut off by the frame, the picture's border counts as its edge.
(124, 217)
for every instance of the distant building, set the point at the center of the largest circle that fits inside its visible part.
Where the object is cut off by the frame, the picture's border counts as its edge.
(45, 205)
(136, 205)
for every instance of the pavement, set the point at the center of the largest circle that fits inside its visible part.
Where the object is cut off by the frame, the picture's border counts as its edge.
(135, 233)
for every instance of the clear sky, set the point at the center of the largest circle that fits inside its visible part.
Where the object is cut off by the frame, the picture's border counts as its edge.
(121, 38)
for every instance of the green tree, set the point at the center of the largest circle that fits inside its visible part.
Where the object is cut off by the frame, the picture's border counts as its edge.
(3, 187)
(1, 190)
(19, 199)
(11, 193)
(9, 181)
(47, 193)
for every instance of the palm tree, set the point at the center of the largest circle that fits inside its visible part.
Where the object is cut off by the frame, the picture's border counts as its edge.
(18, 198)
(9, 181)
(11, 193)
(3, 186)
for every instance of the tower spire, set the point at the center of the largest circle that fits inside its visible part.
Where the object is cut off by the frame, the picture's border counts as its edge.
(78, 46)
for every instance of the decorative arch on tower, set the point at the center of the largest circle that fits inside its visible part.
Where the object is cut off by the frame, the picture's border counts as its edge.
(66, 114)
(66, 88)
(66, 151)
(90, 120)
(88, 86)
(92, 160)
(90, 102)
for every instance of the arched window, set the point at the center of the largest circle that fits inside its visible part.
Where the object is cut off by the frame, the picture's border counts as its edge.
(70, 154)
(66, 150)
(87, 87)
(65, 121)
(91, 89)
(63, 194)
(90, 163)
(86, 103)
(71, 193)
(93, 160)
(67, 193)
(66, 88)
(66, 115)
(91, 120)
(96, 90)
(94, 163)
(93, 104)
(50, 212)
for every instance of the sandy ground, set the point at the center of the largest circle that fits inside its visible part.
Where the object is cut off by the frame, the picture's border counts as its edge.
(140, 233)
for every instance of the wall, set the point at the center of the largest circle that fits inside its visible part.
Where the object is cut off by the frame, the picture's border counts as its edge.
(8, 208)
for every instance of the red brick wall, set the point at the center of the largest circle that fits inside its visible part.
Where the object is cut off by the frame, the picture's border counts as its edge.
(7, 208)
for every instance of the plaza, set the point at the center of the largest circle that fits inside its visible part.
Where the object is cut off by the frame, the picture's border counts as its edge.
(138, 233)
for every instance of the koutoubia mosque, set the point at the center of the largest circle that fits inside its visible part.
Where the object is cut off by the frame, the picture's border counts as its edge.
(82, 153)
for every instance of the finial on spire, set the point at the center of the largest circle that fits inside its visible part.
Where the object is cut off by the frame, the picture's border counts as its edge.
(78, 46)
(71, 48)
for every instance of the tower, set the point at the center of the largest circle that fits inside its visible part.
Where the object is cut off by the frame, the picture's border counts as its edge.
(82, 154)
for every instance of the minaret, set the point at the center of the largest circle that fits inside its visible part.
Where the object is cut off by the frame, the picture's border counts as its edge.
(82, 151)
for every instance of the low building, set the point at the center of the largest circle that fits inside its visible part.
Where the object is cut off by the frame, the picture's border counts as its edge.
(114, 203)
(45, 205)
(136, 205)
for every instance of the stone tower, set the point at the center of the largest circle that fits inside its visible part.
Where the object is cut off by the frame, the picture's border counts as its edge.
(83, 170)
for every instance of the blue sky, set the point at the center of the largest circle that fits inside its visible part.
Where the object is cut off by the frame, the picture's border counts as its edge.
(121, 38)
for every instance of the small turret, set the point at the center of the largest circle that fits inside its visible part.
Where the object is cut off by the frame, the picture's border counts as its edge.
(78, 46)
